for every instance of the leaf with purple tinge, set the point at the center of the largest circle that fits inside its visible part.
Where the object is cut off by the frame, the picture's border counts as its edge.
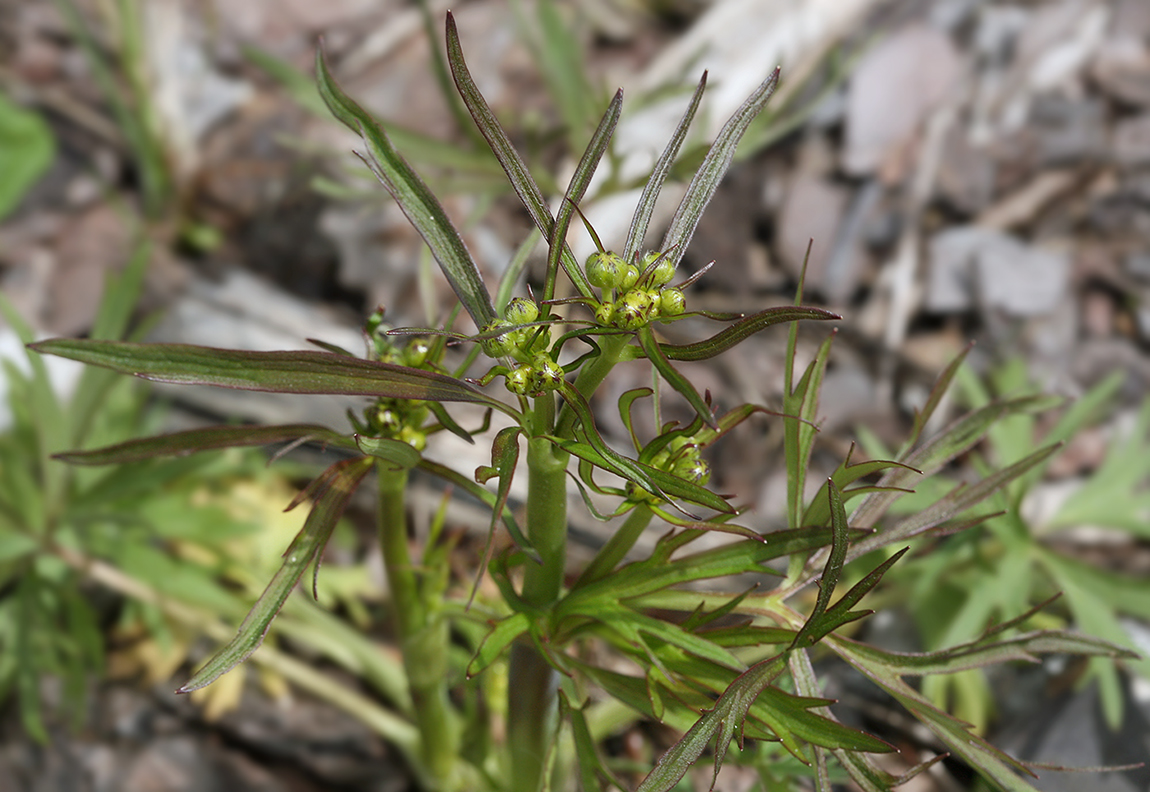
(418, 203)
(207, 439)
(303, 372)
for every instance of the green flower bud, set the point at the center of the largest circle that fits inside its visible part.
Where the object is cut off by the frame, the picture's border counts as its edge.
(629, 277)
(604, 311)
(605, 270)
(692, 468)
(500, 345)
(664, 271)
(413, 437)
(520, 380)
(521, 311)
(549, 373)
(416, 352)
(386, 421)
(671, 302)
(634, 310)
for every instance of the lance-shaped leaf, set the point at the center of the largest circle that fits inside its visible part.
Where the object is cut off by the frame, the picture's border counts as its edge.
(990, 762)
(336, 487)
(418, 203)
(957, 438)
(591, 764)
(953, 503)
(934, 399)
(710, 173)
(744, 328)
(502, 634)
(207, 439)
(504, 458)
(395, 452)
(579, 182)
(818, 513)
(834, 567)
(654, 352)
(646, 206)
(517, 173)
(280, 372)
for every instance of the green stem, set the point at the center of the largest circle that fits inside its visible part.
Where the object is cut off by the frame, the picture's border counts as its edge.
(531, 692)
(592, 375)
(423, 638)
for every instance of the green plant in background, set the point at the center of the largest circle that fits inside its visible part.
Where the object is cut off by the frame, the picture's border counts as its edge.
(160, 551)
(1010, 563)
(734, 665)
(26, 150)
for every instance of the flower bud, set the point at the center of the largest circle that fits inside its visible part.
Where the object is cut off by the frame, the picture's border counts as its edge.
(629, 277)
(664, 271)
(634, 310)
(416, 352)
(520, 380)
(604, 312)
(549, 373)
(604, 270)
(671, 302)
(521, 311)
(500, 345)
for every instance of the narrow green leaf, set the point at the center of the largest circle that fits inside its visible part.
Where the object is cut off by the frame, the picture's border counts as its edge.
(983, 652)
(957, 438)
(801, 408)
(502, 634)
(395, 452)
(591, 764)
(517, 173)
(818, 512)
(418, 203)
(710, 173)
(338, 485)
(580, 180)
(193, 440)
(833, 569)
(646, 206)
(957, 501)
(991, 763)
(741, 330)
(941, 386)
(504, 458)
(654, 352)
(281, 372)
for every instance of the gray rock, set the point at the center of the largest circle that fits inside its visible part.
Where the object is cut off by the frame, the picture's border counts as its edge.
(1131, 141)
(892, 91)
(969, 265)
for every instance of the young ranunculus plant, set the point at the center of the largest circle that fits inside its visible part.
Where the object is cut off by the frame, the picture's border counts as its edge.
(749, 677)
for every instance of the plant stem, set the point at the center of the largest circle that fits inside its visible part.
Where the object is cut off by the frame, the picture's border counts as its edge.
(592, 375)
(423, 637)
(531, 692)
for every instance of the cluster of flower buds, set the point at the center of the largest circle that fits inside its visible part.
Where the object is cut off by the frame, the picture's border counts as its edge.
(523, 344)
(633, 295)
(397, 419)
(536, 373)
